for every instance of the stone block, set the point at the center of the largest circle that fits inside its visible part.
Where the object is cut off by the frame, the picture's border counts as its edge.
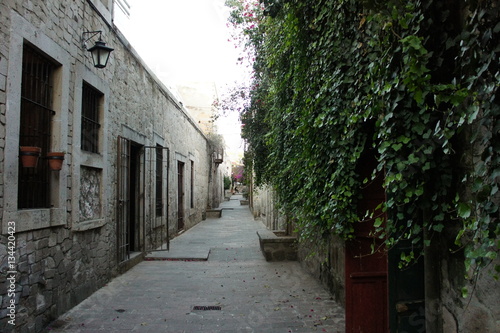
(62, 235)
(42, 243)
(40, 303)
(277, 248)
(31, 258)
(35, 278)
(58, 258)
(24, 280)
(214, 213)
(49, 263)
(52, 240)
(26, 291)
(41, 234)
(23, 267)
(66, 245)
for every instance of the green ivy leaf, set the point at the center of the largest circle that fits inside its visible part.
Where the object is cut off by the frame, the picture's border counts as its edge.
(464, 210)
(465, 292)
(396, 146)
(438, 227)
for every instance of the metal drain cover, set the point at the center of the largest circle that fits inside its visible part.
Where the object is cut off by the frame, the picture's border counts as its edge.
(206, 308)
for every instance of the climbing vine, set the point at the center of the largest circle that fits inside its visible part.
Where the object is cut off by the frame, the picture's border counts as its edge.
(413, 84)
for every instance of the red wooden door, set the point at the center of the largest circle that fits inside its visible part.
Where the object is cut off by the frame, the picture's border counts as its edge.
(366, 273)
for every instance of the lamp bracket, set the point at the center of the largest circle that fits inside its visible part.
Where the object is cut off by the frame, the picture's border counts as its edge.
(93, 34)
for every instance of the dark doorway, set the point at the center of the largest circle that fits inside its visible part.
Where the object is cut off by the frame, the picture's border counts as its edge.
(134, 181)
(129, 198)
(407, 289)
(180, 195)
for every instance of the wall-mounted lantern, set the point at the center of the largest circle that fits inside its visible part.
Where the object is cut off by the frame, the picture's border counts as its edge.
(100, 52)
(218, 156)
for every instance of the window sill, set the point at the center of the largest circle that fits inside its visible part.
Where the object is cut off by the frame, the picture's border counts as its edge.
(34, 219)
(88, 225)
(94, 160)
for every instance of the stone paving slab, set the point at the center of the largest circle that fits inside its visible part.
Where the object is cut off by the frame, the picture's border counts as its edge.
(195, 243)
(253, 295)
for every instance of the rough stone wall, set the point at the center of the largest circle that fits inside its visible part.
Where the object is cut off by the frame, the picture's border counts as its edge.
(90, 193)
(325, 259)
(62, 262)
(149, 111)
(56, 269)
(479, 310)
(219, 171)
(265, 209)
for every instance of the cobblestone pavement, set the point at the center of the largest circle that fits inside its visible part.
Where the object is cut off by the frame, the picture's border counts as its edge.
(235, 290)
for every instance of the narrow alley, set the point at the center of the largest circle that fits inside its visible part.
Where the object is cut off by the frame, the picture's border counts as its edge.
(213, 279)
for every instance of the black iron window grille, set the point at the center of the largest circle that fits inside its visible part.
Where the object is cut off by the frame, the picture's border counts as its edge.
(35, 126)
(91, 102)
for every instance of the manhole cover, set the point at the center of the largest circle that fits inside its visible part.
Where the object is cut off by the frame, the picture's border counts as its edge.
(207, 308)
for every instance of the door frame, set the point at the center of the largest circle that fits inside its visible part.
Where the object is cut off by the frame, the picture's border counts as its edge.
(130, 206)
(156, 226)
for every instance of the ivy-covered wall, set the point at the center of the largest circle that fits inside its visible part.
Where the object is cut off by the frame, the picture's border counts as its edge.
(416, 83)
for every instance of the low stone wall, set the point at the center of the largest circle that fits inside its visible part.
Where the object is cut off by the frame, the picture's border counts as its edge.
(214, 213)
(276, 247)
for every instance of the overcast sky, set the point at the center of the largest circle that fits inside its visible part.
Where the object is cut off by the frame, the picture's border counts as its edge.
(182, 40)
(186, 41)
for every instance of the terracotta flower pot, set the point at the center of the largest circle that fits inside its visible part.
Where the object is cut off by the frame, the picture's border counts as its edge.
(29, 156)
(55, 160)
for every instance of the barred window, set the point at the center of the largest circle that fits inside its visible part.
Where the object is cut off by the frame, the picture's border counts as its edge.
(91, 106)
(35, 126)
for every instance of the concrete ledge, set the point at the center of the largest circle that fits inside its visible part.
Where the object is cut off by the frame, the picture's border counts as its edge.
(135, 258)
(277, 248)
(88, 225)
(243, 202)
(214, 213)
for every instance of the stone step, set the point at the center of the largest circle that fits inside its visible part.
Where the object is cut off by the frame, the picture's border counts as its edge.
(276, 247)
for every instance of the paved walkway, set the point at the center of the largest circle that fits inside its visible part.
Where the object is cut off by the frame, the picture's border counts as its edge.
(235, 290)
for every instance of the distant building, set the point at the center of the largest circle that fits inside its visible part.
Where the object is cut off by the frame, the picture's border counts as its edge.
(198, 98)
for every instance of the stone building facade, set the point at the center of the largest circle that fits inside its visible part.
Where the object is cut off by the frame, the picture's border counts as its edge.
(198, 98)
(137, 168)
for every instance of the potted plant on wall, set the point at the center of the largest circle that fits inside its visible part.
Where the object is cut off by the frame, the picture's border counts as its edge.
(29, 156)
(55, 160)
